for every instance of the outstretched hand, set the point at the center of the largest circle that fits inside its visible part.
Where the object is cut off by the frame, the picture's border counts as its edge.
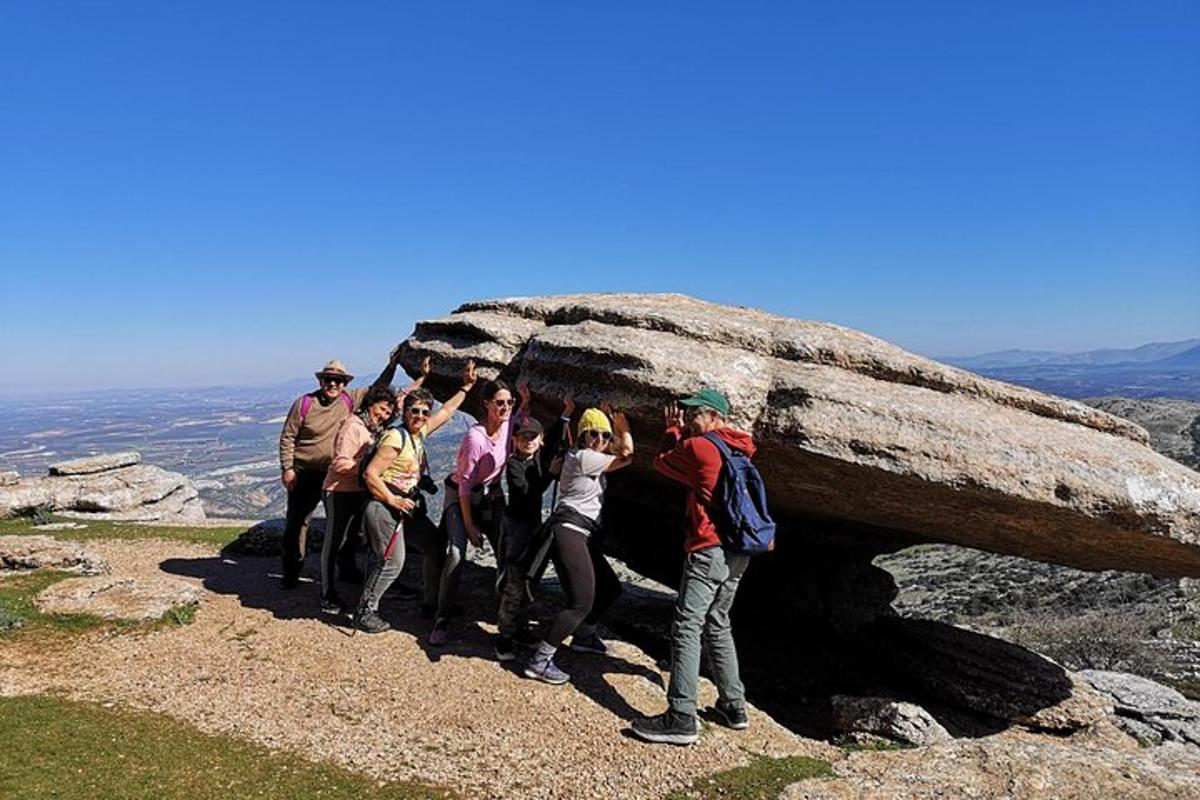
(426, 366)
(394, 356)
(469, 377)
(523, 393)
(620, 423)
(672, 415)
(568, 401)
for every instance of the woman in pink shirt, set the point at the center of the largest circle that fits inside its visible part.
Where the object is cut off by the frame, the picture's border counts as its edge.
(474, 502)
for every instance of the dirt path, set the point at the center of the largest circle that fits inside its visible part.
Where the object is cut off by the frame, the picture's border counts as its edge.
(259, 664)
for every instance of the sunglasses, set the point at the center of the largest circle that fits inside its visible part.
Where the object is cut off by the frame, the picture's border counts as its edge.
(504, 403)
(418, 412)
(333, 380)
(603, 436)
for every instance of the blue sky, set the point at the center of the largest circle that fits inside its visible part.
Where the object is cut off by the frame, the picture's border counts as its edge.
(227, 192)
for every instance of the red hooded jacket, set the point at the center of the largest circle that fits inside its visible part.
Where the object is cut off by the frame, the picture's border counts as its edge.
(696, 463)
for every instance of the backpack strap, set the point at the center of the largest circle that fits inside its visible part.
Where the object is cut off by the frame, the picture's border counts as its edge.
(724, 449)
(307, 401)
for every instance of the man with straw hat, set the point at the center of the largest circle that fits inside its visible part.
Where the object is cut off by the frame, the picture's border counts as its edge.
(306, 448)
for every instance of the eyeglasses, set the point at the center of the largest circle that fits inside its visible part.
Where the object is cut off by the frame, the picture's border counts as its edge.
(603, 436)
(504, 403)
(418, 412)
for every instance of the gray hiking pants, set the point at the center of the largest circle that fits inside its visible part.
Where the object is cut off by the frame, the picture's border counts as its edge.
(386, 531)
(710, 581)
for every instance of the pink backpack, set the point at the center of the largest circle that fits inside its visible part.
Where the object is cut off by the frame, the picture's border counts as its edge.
(307, 401)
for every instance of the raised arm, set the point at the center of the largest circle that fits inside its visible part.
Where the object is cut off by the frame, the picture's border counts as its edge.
(420, 379)
(389, 372)
(448, 408)
(622, 444)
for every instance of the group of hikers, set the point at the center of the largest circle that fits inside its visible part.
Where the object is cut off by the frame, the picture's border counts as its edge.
(362, 451)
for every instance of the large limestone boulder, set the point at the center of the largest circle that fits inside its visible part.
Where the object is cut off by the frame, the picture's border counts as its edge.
(116, 487)
(859, 440)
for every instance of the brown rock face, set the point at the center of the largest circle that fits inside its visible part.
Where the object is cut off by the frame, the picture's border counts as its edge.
(864, 447)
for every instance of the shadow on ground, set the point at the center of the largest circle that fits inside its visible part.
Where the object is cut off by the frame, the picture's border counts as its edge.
(255, 581)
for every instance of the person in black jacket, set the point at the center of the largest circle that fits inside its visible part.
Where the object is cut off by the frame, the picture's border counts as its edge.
(531, 468)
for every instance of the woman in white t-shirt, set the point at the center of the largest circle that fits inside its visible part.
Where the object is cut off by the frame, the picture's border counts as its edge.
(392, 479)
(589, 580)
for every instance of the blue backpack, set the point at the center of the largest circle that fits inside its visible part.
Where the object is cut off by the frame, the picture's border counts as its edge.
(740, 503)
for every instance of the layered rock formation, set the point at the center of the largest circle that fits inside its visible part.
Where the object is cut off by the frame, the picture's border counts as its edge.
(858, 438)
(113, 487)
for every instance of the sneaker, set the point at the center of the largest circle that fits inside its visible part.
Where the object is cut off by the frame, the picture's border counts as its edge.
(668, 727)
(589, 644)
(504, 649)
(370, 622)
(732, 715)
(546, 671)
(440, 635)
(332, 604)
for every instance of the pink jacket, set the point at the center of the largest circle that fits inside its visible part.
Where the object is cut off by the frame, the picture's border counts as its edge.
(350, 446)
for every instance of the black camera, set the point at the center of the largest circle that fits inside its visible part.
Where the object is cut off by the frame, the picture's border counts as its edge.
(427, 484)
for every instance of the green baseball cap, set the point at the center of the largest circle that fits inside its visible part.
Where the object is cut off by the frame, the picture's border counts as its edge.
(710, 398)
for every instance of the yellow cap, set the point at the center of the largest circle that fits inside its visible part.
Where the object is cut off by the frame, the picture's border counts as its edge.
(594, 420)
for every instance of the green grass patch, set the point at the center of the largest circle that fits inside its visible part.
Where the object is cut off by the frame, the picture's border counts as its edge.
(19, 616)
(881, 746)
(106, 529)
(56, 748)
(763, 779)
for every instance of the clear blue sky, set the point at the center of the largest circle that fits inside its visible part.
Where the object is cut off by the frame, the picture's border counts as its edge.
(229, 192)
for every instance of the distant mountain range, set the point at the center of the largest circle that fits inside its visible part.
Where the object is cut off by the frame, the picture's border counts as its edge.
(1160, 369)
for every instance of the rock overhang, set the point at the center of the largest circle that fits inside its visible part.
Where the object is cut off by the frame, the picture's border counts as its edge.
(851, 428)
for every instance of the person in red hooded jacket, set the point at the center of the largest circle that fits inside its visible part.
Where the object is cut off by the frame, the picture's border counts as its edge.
(711, 573)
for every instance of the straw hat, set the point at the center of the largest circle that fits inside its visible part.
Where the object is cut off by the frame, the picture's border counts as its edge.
(334, 369)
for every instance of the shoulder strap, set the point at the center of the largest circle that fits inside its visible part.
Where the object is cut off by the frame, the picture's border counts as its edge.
(723, 448)
(307, 401)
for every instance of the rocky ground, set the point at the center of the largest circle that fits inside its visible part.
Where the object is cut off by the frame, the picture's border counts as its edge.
(262, 664)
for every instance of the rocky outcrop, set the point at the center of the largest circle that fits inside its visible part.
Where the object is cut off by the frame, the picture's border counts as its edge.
(859, 439)
(1148, 711)
(1014, 764)
(893, 720)
(46, 552)
(94, 464)
(112, 597)
(266, 538)
(116, 487)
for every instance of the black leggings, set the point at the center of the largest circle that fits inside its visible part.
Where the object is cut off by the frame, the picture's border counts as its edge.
(590, 583)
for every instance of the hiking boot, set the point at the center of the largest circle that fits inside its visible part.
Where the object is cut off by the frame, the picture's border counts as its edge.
(370, 622)
(732, 715)
(669, 727)
(546, 671)
(440, 635)
(589, 643)
(504, 649)
(332, 604)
